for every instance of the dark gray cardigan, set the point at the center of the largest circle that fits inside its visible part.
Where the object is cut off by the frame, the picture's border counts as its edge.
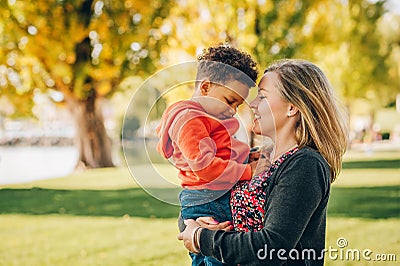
(297, 199)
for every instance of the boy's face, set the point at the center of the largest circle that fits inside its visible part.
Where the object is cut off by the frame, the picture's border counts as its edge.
(222, 101)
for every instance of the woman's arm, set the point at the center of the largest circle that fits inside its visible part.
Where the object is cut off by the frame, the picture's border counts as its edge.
(297, 194)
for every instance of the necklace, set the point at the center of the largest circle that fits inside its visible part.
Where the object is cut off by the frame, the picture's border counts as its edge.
(278, 155)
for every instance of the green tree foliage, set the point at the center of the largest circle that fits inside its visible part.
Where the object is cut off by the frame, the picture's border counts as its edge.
(269, 30)
(342, 36)
(279, 27)
(82, 48)
(369, 65)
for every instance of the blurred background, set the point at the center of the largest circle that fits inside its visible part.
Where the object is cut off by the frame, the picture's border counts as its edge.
(68, 69)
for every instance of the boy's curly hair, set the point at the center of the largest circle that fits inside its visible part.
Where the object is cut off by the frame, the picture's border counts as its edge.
(217, 62)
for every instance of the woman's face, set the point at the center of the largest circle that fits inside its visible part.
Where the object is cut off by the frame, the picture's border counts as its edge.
(270, 110)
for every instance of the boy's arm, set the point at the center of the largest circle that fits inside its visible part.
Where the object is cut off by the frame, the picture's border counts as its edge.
(199, 150)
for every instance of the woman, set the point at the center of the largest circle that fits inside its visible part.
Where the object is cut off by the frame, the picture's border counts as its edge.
(296, 107)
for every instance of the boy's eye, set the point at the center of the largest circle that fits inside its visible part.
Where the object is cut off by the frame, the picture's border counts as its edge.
(229, 101)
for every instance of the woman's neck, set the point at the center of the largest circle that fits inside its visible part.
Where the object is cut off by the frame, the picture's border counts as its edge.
(283, 146)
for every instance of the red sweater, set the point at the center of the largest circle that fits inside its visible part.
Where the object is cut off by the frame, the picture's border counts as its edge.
(202, 147)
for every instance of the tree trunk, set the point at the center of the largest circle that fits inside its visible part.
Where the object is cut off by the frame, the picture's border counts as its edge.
(92, 139)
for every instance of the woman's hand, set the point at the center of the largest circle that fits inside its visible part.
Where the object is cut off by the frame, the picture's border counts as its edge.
(211, 224)
(187, 235)
(191, 225)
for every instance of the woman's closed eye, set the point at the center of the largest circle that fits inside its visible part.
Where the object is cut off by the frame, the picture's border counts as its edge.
(261, 96)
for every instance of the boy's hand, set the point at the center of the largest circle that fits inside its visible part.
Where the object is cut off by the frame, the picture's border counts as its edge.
(259, 166)
(258, 152)
(254, 155)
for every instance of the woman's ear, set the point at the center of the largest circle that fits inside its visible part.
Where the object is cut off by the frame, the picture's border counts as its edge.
(293, 110)
(205, 86)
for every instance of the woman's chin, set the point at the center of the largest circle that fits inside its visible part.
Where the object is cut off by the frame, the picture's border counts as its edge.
(256, 130)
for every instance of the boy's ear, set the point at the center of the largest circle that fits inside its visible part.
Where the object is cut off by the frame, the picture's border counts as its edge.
(205, 86)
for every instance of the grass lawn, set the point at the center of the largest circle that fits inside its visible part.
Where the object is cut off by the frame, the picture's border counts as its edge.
(71, 240)
(102, 217)
(381, 236)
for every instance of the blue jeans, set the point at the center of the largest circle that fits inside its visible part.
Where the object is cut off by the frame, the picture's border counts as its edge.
(204, 202)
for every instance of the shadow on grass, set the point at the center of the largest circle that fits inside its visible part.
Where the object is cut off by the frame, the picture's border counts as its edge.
(365, 202)
(378, 164)
(371, 202)
(133, 202)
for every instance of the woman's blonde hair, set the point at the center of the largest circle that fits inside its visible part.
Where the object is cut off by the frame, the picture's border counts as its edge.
(321, 123)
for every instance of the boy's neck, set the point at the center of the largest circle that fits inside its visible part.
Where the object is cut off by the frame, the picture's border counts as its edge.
(196, 93)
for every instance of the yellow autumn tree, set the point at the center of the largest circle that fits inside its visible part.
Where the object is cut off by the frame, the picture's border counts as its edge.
(82, 48)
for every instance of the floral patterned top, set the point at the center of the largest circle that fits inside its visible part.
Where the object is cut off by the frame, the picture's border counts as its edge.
(248, 198)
